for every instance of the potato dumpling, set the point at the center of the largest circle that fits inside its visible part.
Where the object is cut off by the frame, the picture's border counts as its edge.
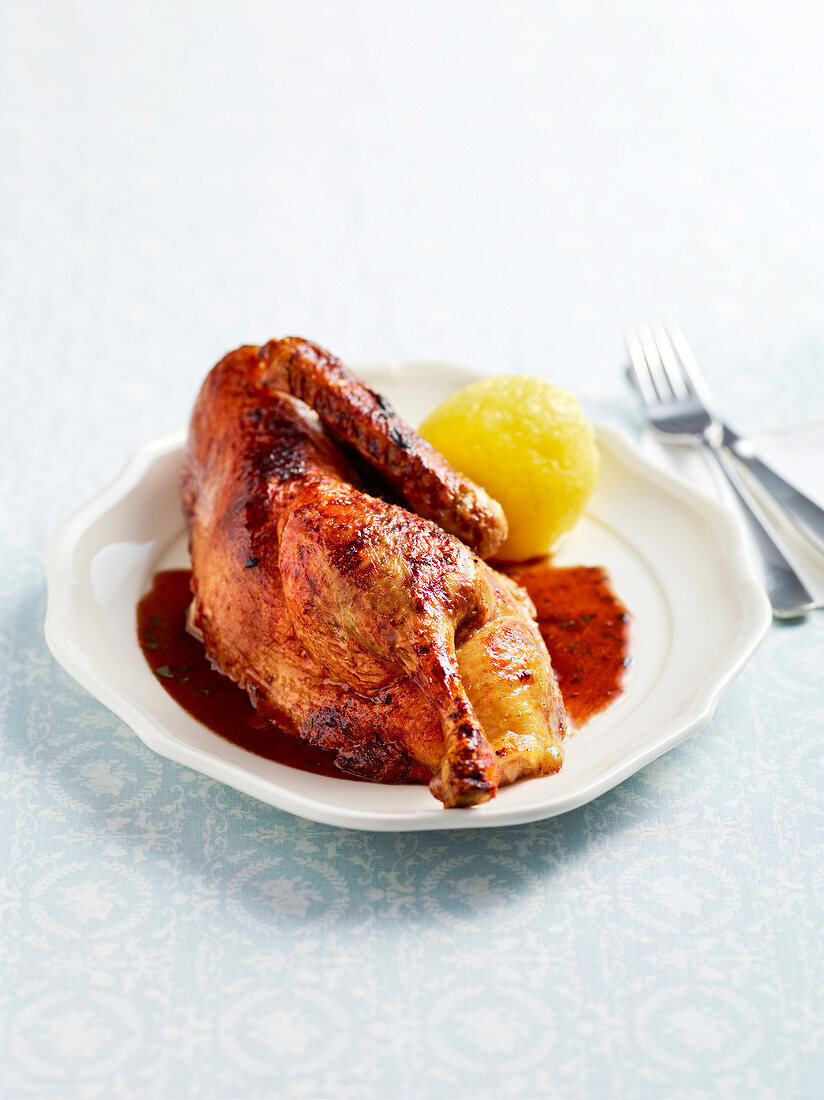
(528, 443)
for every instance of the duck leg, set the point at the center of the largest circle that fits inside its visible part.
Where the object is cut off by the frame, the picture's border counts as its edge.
(367, 582)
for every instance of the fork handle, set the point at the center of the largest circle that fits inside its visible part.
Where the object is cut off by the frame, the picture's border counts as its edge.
(805, 513)
(786, 591)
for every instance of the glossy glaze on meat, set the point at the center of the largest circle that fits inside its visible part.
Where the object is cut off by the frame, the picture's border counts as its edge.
(357, 624)
(366, 420)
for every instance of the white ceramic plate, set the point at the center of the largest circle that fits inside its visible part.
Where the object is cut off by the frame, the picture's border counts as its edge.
(676, 559)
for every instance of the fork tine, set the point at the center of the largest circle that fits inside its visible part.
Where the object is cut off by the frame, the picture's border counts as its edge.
(656, 369)
(640, 369)
(677, 376)
(689, 364)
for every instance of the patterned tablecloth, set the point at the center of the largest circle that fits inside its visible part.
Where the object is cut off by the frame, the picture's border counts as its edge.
(506, 184)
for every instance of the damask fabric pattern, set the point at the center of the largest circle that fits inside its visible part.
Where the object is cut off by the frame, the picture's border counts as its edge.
(507, 185)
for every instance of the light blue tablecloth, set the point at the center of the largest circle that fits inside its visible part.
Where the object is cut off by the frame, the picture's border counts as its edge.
(504, 184)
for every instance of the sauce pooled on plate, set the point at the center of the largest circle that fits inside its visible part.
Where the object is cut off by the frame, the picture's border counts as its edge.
(584, 625)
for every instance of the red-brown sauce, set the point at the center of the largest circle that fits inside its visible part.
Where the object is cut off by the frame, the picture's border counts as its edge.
(584, 625)
(586, 629)
(180, 664)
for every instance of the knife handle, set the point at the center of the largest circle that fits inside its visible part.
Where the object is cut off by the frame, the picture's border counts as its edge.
(785, 589)
(805, 513)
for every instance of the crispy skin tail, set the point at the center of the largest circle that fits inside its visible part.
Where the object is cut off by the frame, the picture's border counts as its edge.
(467, 778)
(469, 772)
(366, 421)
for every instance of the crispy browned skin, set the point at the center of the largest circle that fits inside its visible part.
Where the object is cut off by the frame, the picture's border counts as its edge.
(350, 621)
(367, 421)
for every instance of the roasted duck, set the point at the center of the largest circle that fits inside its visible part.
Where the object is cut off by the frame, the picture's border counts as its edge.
(369, 628)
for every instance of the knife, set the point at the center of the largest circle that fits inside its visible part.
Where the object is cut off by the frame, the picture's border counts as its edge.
(805, 513)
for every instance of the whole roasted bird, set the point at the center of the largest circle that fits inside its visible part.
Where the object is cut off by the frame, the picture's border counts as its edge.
(365, 627)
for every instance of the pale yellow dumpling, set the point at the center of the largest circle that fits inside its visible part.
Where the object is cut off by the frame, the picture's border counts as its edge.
(528, 443)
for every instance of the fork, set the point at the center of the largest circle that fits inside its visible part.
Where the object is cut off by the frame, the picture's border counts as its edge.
(672, 394)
